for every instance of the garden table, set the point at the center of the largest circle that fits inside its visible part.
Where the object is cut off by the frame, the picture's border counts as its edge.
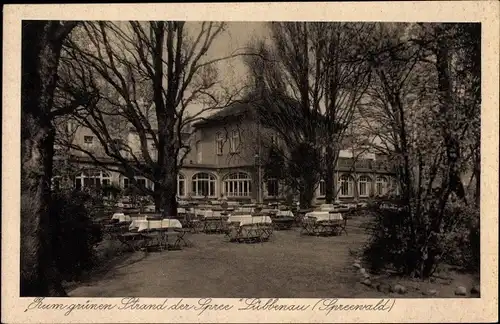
(324, 223)
(284, 213)
(121, 217)
(160, 230)
(215, 224)
(327, 207)
(283, 222)
(249, 228)
(247, 210)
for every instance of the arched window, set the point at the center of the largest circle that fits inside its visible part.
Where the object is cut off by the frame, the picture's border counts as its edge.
(363, 186)
(237, 185)
(181, 185)
(346, 185)
(204, 184)
(92, 179)
(322, 188)
(381, 185)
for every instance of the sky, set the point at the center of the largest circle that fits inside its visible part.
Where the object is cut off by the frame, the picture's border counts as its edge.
(236, 36)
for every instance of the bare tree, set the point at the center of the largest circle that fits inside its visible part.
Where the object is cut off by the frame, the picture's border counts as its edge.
(41, 48)
(310, 81)
(146, 76)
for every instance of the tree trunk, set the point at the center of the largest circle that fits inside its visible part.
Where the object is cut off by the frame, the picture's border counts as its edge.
(158, 197)
(443, 61)
(306, 193)
(41, 47)
(329, 174)
(169, 181)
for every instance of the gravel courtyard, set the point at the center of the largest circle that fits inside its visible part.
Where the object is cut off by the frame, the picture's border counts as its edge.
(288, 266)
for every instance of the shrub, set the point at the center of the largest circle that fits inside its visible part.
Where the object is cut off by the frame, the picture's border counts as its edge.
(414, 241)
(77, 233)
(462, 244)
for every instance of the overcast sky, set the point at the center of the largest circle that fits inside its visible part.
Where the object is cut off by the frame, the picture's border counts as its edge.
(236, 36)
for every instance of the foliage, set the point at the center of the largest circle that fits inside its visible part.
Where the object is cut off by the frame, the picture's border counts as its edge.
(395, 229)
(416, 105)
(77, 233)
(275, 165)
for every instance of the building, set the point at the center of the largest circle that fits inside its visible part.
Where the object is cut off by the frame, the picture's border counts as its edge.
(225, 159)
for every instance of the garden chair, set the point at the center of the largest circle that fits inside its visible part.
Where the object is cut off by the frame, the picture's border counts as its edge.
(250, 233)
(133, 240)
(266, 231)
(181, 233)
(308, 226)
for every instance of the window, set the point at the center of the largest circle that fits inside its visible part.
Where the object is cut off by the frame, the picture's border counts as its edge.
(234, 142)
(346, 186)
(71, 126)
(381, 186)
(119, 144)
(272, 187)
(92, 179)
(88, 140)
(126, 183)
(181, 185)
(141, 182)
(219, 144)
(363, 187)
(204, 184)
(153, 150)
(237, 185)
(322, 188)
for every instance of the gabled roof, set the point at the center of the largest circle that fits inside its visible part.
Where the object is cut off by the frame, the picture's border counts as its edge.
(253, 106)
(235, 109)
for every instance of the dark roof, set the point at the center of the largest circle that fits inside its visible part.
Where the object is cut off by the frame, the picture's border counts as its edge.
(253, 105)
(237, 108)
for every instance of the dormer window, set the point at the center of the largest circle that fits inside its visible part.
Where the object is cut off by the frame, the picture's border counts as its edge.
(88, 140)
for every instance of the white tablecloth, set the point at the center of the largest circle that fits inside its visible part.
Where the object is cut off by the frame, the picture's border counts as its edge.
(327, 207)
(245, 210)
(324, 216)
(117, 215)
(142, 225)
(211, 213)
(249, 219)
(287, 213)
(121, 217)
